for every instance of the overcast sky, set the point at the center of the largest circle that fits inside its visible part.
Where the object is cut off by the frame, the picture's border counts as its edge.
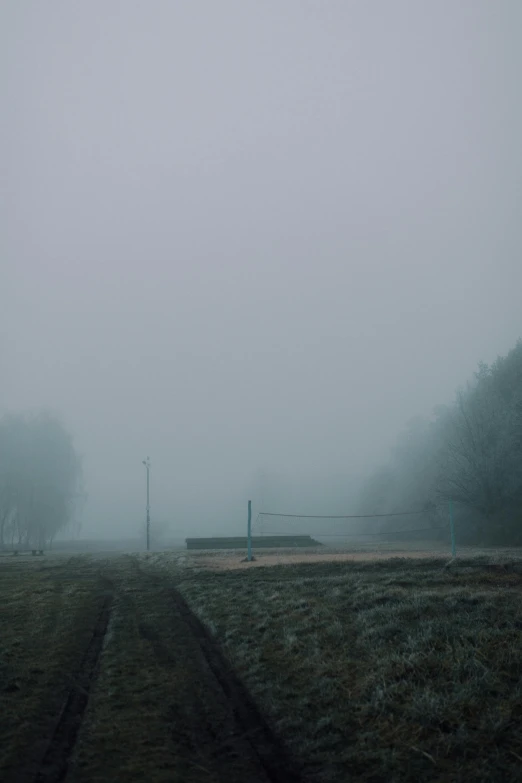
(252, 235)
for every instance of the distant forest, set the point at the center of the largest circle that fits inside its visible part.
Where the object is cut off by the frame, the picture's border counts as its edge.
(469, 452)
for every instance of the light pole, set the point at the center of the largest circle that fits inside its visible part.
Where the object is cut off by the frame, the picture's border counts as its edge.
(146, 462)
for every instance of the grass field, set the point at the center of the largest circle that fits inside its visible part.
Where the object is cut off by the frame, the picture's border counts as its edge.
(394, 670)
(391, 670)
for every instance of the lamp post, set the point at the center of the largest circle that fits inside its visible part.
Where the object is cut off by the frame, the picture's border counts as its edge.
(146, 462)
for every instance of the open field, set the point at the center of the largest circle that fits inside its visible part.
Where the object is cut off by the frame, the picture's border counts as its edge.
(391, 670)
(385, 670)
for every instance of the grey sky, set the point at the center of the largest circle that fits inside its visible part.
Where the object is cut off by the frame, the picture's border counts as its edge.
(243, 236)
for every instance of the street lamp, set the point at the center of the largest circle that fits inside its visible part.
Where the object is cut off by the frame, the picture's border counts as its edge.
(146, 462)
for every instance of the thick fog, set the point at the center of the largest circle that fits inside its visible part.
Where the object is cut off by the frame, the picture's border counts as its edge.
(251, 238)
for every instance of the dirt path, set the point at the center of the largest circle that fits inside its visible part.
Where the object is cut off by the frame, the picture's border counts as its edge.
(238, 743)
(151, 696)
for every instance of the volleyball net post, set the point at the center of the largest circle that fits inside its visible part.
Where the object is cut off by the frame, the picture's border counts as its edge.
(249, 532)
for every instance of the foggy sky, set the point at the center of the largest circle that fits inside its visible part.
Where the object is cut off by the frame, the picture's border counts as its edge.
(252, 235)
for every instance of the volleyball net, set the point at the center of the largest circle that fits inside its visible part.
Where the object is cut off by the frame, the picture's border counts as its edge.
(408, 530)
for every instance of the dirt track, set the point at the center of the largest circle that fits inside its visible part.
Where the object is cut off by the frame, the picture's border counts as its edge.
(53, 765)
(227, 560)
(151, 696)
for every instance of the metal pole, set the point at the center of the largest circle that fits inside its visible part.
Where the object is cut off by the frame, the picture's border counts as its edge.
(262, 504)
(148, 511)
(147, 466)
(452, 530)
(249, 536)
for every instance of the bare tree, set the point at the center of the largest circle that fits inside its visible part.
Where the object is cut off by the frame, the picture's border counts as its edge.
(480, 460)
(470, 453)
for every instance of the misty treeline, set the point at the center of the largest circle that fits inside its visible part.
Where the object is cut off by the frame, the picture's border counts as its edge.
(40, 480)
(469, 452)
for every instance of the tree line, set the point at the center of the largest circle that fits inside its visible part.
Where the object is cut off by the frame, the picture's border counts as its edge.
(40, 480)
(470, 452)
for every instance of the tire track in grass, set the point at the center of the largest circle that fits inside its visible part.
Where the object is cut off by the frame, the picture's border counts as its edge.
(54, 764)
(250, 724)
(244, 730)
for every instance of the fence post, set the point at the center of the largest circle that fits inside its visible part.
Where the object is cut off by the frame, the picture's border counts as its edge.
(249, 534)
(452, 530)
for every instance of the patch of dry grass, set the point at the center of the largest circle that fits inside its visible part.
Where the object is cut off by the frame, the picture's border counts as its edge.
(392, 671)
